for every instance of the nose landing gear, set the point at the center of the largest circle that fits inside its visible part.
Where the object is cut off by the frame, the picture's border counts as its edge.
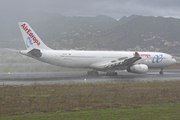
(161, 72)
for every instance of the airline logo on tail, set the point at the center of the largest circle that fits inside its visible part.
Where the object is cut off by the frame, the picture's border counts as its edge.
(29, 42)
(31, 36)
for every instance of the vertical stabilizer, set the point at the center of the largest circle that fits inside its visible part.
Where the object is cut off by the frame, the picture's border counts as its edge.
(31, 39)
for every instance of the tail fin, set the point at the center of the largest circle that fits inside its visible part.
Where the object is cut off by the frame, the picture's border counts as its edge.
(31, 39)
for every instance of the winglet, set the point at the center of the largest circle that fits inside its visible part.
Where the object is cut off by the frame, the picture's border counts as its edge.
(136, 54)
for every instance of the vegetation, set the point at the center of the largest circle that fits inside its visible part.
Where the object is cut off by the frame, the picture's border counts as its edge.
(146, 113)
(62, 98)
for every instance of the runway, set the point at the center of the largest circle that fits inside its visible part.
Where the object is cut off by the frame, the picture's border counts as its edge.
(82, 77)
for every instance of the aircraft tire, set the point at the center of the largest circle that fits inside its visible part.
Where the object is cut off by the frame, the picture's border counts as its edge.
(111, 74)
(161, 72)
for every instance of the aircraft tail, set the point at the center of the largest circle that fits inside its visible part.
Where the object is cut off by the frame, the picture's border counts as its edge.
(31, 39)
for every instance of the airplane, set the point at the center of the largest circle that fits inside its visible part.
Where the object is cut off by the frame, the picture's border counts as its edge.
(105, 61)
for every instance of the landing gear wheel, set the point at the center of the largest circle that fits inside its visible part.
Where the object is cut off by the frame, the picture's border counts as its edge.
(161, 72)
(111, 74)
(92, 73)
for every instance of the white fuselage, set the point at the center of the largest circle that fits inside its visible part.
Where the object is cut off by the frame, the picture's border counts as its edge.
(89, 59)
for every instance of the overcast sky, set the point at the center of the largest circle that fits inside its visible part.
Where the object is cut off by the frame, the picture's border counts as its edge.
(112, 8)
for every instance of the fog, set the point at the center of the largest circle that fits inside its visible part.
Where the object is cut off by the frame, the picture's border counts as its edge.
(33, 11)
(19, 9)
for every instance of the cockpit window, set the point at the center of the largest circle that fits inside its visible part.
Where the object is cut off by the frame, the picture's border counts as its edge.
(172, 57)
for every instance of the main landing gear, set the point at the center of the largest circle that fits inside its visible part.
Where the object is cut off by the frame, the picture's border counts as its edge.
(111, 74)
(92, 73)
(95, 73)
(161, 72)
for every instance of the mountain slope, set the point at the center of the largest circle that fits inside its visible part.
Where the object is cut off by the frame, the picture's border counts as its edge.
(143, 32)
(100, 32)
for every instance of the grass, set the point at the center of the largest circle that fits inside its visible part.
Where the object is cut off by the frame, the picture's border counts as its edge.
(170, 112)
(62, 98)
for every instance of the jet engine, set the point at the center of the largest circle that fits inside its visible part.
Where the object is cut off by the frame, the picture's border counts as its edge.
(138, 68)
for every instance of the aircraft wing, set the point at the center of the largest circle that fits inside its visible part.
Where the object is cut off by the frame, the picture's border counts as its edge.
(121, 62)
(130, 61)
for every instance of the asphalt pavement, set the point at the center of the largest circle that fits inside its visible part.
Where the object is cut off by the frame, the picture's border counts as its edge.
(82, 77)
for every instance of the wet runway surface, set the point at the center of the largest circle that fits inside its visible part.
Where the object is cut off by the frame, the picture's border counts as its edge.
(82, 77)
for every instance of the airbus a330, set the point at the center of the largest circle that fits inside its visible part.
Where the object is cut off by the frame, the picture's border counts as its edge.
(106, 61)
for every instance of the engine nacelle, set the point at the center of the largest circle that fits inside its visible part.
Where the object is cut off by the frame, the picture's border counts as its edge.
(138, 68)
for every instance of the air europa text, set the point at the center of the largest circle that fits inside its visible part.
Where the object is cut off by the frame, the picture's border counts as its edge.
(143, 55)
(29, 32)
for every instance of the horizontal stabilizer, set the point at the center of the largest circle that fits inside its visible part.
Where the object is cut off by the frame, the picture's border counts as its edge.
(35, 52)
